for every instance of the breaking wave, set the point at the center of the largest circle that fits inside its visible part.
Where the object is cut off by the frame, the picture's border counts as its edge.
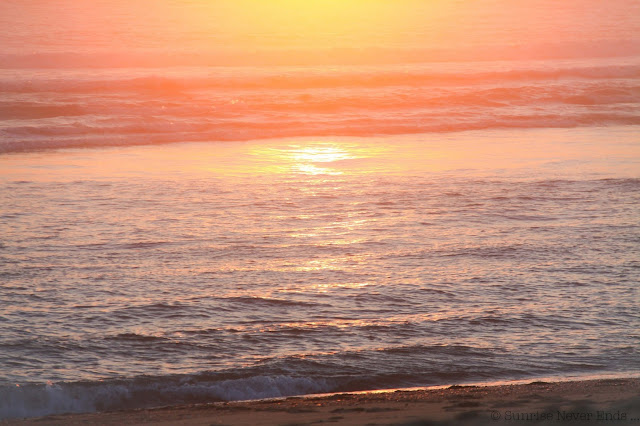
(393, 367)
(110, 107)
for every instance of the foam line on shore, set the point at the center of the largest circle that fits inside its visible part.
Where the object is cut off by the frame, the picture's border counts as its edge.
(540, 402)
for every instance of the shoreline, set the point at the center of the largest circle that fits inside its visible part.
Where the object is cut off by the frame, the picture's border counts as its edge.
(593, 401)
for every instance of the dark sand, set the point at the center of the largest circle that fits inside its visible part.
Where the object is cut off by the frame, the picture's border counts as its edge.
(587, 402)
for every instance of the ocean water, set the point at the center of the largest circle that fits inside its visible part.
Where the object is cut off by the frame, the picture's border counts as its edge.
(209, 202)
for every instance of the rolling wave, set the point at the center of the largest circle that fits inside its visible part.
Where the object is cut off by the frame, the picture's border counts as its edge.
(30, 138)
(394, 367)
(309, 78)
(75, 108)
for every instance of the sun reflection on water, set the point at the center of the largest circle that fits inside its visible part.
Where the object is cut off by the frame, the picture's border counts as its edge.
(323, 153)
(315, 158)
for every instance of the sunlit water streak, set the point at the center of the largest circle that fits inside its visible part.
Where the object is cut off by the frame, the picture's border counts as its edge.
(242, 270)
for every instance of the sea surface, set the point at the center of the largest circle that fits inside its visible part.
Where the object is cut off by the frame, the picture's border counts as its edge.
(212, 201)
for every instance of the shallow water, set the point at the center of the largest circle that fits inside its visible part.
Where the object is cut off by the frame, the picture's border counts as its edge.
(194, 272)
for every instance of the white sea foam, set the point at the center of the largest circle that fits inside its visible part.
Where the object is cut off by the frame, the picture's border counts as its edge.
(41, 400)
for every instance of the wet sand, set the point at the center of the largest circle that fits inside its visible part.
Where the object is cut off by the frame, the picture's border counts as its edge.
(608, 401)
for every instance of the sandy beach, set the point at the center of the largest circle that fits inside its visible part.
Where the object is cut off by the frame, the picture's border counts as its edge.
(608, 401)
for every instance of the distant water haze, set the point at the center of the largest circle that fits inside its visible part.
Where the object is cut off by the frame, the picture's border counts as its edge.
(290, 32)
